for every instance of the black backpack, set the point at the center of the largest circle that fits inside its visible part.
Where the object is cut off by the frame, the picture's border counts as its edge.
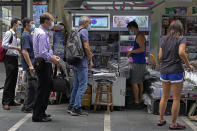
(74, 52)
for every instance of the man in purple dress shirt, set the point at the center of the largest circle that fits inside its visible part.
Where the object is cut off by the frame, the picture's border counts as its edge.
(42, 49)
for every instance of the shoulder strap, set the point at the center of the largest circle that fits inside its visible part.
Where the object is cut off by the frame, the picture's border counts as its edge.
(11, 38)
(137, 35)
(80, 29)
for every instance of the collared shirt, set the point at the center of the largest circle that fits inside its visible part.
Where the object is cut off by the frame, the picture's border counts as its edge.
(41, 44)
(6, 44)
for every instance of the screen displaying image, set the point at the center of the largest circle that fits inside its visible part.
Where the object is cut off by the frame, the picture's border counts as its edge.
(96, 21)
(122, 21)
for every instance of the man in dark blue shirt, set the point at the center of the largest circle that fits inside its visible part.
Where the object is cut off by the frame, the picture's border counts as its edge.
(27, 64)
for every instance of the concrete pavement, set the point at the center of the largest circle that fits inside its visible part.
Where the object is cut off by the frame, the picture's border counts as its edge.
(126, 120)
(2, 74)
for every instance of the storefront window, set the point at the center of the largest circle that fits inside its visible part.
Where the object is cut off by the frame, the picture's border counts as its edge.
(6, 15)
(10, 0)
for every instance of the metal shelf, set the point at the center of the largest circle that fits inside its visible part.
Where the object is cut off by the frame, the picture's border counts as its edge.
(188, 37)
(174, 15)
(130, 40)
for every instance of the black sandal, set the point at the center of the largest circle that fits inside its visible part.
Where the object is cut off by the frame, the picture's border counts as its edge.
(177, 127)
(161, 122)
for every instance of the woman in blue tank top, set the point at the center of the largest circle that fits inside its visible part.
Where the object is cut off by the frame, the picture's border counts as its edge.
(139, 63)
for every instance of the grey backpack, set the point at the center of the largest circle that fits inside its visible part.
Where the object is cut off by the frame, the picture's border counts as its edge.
(74, 52)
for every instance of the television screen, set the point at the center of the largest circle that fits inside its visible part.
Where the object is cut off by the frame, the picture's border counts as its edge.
(122, 21)
(96, 21)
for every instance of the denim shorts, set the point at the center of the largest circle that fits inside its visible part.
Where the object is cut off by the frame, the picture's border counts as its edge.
(173, 77)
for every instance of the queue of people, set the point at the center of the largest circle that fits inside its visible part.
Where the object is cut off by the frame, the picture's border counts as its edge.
(37, 58)
(37, 53)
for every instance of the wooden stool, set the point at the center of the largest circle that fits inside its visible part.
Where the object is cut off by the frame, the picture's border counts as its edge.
(104, 87)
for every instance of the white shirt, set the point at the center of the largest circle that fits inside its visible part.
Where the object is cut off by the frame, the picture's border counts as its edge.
(6, 44)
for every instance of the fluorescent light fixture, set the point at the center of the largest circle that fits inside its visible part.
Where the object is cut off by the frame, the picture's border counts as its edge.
(140, 8)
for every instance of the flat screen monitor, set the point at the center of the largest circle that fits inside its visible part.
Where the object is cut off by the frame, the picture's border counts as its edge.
(98, 22)
(122, 21)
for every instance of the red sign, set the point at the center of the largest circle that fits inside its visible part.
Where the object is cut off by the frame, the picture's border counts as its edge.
(40, 3)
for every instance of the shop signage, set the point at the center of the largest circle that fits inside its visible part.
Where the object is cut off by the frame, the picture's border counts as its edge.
(40, 3)
(120, 5)
(178, 0)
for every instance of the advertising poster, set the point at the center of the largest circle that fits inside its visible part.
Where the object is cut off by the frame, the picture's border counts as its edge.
(122, 21)
(58, 46)
(39, 7)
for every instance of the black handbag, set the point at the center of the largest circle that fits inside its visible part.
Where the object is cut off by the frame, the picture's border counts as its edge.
(39, 64)
(60, 83)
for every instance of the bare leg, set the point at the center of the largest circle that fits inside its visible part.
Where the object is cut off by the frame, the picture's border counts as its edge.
(141, 88)
(136, 92)
(164, 99)
(177, 88)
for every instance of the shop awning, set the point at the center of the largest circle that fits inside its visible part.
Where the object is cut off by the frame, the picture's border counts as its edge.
(110, 4)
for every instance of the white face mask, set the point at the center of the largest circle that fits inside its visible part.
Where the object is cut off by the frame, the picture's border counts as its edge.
(131, 32)
(19, 28)
(52, 25)
(32, 27)
(89, 27)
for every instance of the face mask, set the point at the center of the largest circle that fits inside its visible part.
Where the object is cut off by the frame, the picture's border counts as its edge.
(19, 28)
(131, 32)
(52, 25)
(89, 27)
(32, 27)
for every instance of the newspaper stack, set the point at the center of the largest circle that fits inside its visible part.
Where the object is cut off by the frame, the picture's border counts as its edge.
(105, 76)
(124, 67)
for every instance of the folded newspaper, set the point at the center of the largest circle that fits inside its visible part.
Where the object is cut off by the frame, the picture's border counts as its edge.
(105, 76)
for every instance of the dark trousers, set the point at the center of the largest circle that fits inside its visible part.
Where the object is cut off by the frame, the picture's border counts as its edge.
(30, 90)
(11, 66)
(43, 91)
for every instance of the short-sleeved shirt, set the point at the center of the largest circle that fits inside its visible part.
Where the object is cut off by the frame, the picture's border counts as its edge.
(27, 43)
(7, 45)
(84, 38)
(171, 61)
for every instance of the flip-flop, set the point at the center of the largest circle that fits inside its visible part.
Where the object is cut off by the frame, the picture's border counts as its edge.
(177, 127)
(161, 122)
(193, 118)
